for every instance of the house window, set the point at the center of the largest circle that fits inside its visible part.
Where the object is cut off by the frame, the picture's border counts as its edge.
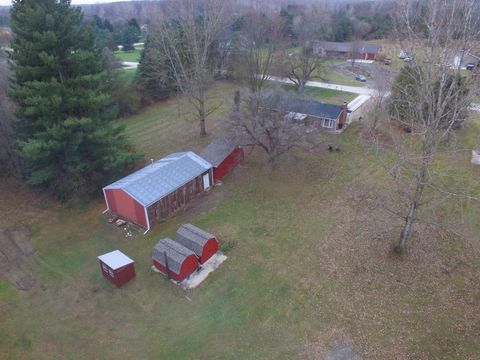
(328, 123)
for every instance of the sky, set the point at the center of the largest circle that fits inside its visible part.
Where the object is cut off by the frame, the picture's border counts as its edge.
(8, 2)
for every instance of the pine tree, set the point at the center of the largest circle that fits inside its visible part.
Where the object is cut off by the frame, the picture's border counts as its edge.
(155, 80)
(67, 139)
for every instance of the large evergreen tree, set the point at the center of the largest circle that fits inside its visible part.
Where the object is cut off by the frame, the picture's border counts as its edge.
(155, 79)
(64, 127)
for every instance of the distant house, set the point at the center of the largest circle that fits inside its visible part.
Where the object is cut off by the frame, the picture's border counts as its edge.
(316, 114)
(224, 155)
(151, 194)
(349, 50)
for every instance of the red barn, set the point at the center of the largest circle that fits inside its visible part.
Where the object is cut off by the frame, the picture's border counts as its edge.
(224, 155)
(202, 243)
(117, 267)
(174, 260)
(158, 190)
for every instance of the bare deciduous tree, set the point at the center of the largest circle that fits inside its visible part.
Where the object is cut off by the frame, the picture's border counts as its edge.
(188, 30)
(438, 101)
(381, 84)
(263, 119)
(256, 46)
(300, 66)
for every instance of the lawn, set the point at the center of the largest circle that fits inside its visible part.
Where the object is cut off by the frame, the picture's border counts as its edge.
(132, 56)
(128, 74)
(309, 264)
(334, 77)
(326, 95)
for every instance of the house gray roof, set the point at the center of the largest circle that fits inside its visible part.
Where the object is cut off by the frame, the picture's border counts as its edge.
(176, 254)
(296, 105)
(193, 238)
(217, 151)
(159, 179)
(345, 47)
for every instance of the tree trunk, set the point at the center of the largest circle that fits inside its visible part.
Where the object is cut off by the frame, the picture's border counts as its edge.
(301, 86)
(201, 113)
(412, 211)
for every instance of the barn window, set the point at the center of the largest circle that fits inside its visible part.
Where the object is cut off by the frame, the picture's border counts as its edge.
(105, 268)
(110, 272)
(328, 123)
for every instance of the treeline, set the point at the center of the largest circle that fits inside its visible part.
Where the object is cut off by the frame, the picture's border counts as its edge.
(111, 36)
(365, 21)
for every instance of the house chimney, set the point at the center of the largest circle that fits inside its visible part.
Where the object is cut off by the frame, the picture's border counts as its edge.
(343, 115)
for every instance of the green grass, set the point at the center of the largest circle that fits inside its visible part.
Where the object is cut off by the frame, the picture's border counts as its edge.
(132, 56)
(333, 77)
(326, 95)
(309, 264)
(128, 74)
(152, 129)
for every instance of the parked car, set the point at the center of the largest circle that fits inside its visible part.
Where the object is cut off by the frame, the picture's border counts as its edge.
(470, 66)
(360, 78)
(387, 61)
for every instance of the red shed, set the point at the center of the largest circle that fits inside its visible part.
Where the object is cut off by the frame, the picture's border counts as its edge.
(174, 259)
(159, 189)
(224, 155)
(202, 243)
(117, 267)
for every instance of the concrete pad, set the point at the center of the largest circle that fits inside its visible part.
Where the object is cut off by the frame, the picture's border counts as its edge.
(201, 274)
(206, 268)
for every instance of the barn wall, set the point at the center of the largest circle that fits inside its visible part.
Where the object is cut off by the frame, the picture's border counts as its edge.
(124, 274)
(169, 204)
(232, 160)
(120, 276)
(210, 248)
(123, 204)
(187, 268)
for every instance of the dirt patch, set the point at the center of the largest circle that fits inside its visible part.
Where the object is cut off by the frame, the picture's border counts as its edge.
(16, 252)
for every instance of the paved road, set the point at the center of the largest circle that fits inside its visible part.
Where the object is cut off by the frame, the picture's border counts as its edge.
(475, 107)
(129, 64)
(318, 84)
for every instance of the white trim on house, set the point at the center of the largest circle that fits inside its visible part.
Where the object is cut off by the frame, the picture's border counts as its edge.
(106, 201)
(330, 121)
(147, 219)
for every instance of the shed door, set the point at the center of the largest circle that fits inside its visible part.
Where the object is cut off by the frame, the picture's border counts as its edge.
(206, 181)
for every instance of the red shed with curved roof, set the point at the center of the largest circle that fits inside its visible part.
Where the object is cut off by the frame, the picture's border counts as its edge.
(202, 243)
(174, 260)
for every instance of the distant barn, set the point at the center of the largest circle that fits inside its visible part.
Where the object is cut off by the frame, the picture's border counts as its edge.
(224, 155)
(158, 190)
(174, 259)
(202, 243)
(117, 267)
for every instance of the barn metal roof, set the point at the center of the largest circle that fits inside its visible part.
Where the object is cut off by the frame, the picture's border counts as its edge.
(115, 259)
(159, 179)
(176, 254)
(217, 151)
(193, 238)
